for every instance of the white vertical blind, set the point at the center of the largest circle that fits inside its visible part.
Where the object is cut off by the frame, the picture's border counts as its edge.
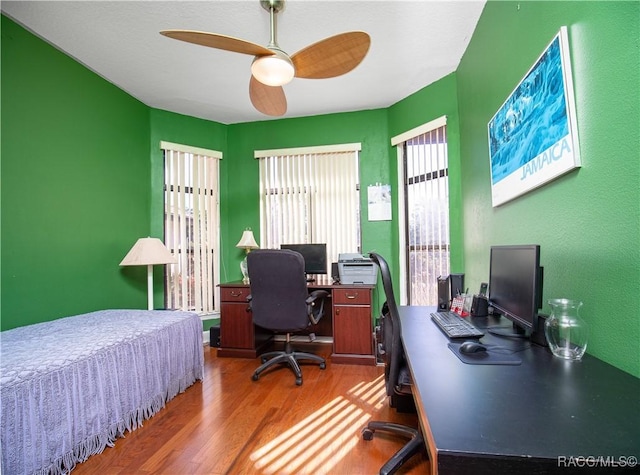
(192, 220)
(427, 206)
(310, 196)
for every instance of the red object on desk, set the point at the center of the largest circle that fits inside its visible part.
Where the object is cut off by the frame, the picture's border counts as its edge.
(457, 306)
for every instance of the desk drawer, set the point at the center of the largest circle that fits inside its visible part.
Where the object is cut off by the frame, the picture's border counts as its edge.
(352, 296)
(234, 294)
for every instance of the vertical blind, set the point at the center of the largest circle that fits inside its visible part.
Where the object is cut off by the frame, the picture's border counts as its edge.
(427, 207)
(310, 195)
(192, 227)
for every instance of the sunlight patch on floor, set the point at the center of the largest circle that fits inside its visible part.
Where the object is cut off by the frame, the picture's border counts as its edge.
(372, 393)
(319, 441)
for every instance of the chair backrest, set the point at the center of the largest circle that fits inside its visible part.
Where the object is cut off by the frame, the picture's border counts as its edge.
(391, 330)
(278, 289)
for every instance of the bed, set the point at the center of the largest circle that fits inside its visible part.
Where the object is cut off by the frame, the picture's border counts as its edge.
(70, 387)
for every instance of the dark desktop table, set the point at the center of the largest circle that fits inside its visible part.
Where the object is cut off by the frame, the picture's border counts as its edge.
(546, 415)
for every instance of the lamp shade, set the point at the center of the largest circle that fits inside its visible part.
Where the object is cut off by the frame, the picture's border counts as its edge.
(247, 241)
(148, 251)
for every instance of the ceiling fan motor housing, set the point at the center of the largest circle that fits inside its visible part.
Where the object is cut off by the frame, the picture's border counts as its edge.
(275, 5)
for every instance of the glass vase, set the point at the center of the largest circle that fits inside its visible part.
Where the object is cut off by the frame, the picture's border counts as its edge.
(566, 332)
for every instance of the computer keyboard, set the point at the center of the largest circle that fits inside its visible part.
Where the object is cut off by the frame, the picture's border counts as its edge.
(454, 326)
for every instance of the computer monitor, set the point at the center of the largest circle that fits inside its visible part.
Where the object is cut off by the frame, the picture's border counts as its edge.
(515, 286)
(315, 256)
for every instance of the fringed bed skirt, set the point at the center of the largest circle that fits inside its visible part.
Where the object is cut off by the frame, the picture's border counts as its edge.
(70, 387)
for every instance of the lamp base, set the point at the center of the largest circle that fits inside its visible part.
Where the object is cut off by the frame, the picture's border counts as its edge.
(245, 272)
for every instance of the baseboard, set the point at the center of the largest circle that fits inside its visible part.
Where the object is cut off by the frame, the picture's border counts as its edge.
(214, 319)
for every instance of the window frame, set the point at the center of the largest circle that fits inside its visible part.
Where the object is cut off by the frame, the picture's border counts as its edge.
(397, 142)
(213, 241)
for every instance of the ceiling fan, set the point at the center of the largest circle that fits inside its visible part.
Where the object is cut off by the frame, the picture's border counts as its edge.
(272, 67)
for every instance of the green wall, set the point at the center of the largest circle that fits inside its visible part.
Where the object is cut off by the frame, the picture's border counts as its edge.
(241, 210)
(75, 186)
(241, 205)
(588, 221)
(78, 153)
(378, 164)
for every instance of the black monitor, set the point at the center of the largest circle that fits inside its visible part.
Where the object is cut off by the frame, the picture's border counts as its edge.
(515, 286)
(315, 256)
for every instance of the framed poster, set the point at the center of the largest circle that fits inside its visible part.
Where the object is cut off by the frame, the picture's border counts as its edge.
(533, 137)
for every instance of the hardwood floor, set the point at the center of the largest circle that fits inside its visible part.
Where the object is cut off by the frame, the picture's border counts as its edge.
(229, 424)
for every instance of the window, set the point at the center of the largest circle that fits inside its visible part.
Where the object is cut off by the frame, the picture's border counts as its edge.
(425, 233)
(191, 227)
(310, 195)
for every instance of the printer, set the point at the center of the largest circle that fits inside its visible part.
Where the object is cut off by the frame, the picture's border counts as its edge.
(354, 268)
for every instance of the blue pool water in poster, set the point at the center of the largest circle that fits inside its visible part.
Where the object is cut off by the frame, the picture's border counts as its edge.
(532, 119)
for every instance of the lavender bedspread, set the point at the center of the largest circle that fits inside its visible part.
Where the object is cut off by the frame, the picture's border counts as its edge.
(71, 386)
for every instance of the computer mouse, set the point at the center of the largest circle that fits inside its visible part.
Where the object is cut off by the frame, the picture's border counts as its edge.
(472, 347)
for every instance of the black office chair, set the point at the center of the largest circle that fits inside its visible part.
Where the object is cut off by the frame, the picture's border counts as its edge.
(281, 302)
(397, 377)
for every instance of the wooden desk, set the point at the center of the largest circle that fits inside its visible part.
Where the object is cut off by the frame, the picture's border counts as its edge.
(539, 417)
(348, 321)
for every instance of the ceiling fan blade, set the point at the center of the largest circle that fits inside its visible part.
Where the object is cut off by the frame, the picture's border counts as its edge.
(214, 40)
(269, 100)
(332, 56)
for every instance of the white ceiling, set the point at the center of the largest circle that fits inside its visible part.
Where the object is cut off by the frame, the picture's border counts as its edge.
(413, 44)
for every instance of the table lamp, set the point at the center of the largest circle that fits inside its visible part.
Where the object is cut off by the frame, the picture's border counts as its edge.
(148, 252)
(247, 242)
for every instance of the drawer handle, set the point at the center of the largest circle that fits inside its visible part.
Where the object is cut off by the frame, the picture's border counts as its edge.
(236, 294)
(353, 296)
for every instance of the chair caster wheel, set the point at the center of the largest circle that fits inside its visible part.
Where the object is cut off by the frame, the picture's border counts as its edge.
(323, 365)
(298, 381)
(367, 434)
(254, 377)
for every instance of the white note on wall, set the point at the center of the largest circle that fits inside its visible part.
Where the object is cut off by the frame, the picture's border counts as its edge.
(379, 199)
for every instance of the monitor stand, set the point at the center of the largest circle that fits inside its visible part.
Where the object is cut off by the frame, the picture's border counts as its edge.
(514, 332)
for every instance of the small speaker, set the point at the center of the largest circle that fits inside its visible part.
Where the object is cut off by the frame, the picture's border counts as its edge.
(457, 284)
(335, 273)
(444, 295)
(214, 336)
(479, 306)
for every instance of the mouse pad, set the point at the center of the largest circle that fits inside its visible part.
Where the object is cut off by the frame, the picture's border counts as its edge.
(494, 355)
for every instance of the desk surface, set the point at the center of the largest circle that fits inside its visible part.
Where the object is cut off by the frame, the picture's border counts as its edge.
(538, 416)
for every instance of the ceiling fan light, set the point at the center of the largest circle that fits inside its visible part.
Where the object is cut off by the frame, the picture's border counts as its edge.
(275, 70)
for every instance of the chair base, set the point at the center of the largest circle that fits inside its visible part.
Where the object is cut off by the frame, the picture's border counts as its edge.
(289, 357)
(411, 448)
